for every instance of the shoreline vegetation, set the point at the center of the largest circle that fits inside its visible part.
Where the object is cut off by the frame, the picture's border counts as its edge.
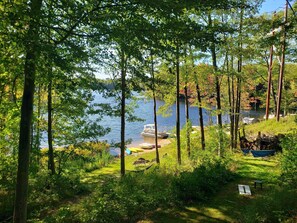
(202, 189)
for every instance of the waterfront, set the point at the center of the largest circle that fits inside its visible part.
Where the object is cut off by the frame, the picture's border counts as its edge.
(145, 112)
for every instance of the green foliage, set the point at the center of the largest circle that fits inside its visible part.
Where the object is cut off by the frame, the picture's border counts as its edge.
(46, 190)
(99, 161)
(289, 159)
(63, 214)
(7, 184)
(277, 206)
(213, 140)
(86, 156)
(8, 171)
(203, 182)
(129, 198)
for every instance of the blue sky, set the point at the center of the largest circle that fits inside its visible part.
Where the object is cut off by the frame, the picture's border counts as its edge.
(270, 6)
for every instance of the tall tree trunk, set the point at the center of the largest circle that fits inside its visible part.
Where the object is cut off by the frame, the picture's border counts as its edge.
(37, 128)
(200, 116)
(274, 97)
(230, 103)
(51, 161)
(155, 110)
(282, 68)
(269, 82)
(177, 107)
(199, 104)
(123, 110)
(218, 90)
(20, 205)
(237, 111)
(238, 88)
(217, 82)
(35, 140)
(187, 116)
(218, 97)
(187, 121)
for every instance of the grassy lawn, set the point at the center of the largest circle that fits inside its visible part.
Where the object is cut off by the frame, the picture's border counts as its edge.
(227, 205)
(272, 127)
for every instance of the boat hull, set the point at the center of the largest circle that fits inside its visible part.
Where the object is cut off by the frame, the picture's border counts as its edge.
(152, 135)
(262, 153)
(135, 150)
(146, 146)
(245, 151)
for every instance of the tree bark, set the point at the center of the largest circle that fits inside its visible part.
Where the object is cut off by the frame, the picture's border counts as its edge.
(155, 110)
(269, 82)
(123, 110)
(177, 108)
(20, 206)
(200, 115)
(238, 88)
(237, 111)
(187, 117)
(199, 105)
(282, 68)
(218, 90)
(37, 128)
(51, 161)
(230, 104)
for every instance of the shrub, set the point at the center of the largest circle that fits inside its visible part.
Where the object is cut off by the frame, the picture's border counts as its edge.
(289, 159)
(203, 182)
(8, 170)
(64, 214)
(45, 190)
(130, 197)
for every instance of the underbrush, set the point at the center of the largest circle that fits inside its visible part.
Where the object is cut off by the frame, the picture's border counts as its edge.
(133, 196)
(278, 206)
(203, 182)
(46, 190)
(289, 160)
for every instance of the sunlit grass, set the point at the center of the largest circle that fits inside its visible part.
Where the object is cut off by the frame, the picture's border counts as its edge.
(226, 205)
(272, 127)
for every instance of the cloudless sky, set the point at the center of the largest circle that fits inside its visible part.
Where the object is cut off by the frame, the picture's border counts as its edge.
(270, 6)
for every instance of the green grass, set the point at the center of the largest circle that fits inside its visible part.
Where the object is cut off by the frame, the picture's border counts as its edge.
(272, 127)
(227, 205)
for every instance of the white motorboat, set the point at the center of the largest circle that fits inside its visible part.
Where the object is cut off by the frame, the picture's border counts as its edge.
(149, 131)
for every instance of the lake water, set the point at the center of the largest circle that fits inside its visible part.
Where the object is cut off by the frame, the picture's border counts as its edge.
(145, 111)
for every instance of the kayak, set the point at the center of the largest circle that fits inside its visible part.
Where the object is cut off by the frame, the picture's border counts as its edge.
(128, 151)
(135, 150)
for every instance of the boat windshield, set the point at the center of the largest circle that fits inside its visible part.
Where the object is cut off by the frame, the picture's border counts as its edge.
(149, 127)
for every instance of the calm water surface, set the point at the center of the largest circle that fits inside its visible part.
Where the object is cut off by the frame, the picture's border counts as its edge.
(145, 111)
